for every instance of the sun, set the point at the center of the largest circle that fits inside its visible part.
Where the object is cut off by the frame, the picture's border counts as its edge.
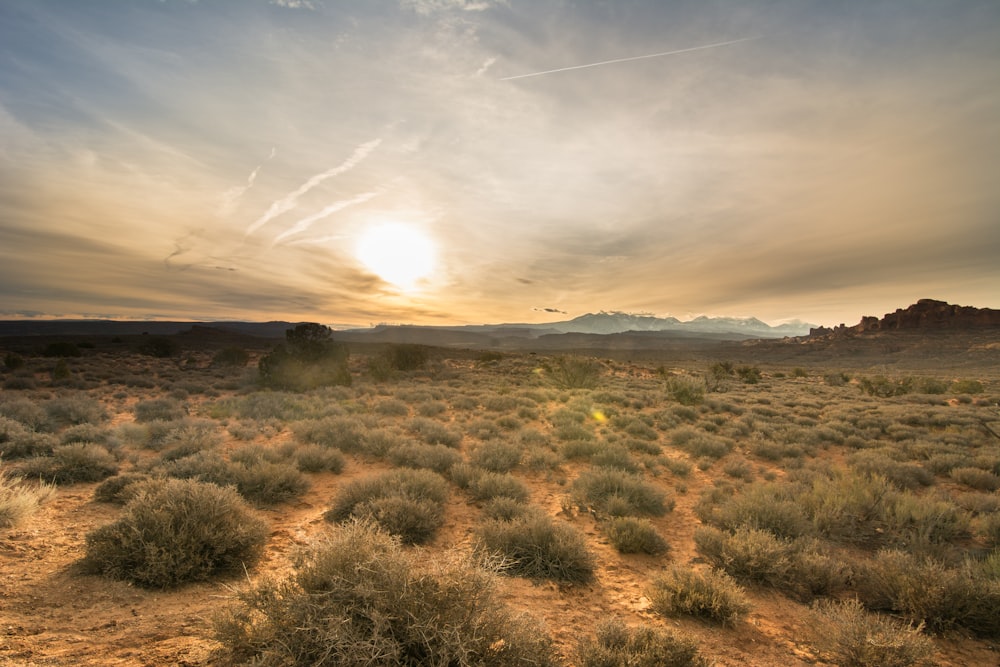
(397, 253)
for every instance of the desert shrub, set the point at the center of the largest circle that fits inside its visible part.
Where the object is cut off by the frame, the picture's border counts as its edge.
(392, 407)
(535, 546)
(573, 432)
(316, 458)
(431, 408)
(686, 390)
(434, 433)
(617, 645)
(574, 372)
(976, 478)
(438, 458)
(68, 464)
(28, 413)
(580, 449)
(339, 432)
(988, 528)
(505, 509)
(925, 590)
(931, 386)
(184, 437)
(309, 358)
(699, 444)
(918, 521)
(491, 485)
(406, 357)
(749, 374)
(619, 493)
(496, 455)
(119, 489)
(358, 598)
(264, 483)
(710, 594)
(158, 346)
(406, 503)
(159, 409)
(18, 442)
(75, 409)
(175, 531)
(966, 387)
(630, 535)
(85, 433)
(847, 506)
(738, 469)
(884, 387)
(903, 475)
(13, 361)
(231, 357)
(800, 567)
(61, 349)
(19, 500)
(850, 636)
(767, 506)
(613, 456)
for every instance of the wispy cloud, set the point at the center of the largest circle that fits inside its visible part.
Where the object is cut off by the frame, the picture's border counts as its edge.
(289, 201)
(485, 66)
(307, 222)
(294, 4)
(431, 6)
(625, 60)
(231, 197)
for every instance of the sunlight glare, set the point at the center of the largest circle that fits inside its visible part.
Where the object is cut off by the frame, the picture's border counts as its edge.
(397, 253)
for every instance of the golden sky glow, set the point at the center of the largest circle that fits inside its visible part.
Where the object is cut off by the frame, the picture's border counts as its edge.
(213, 159)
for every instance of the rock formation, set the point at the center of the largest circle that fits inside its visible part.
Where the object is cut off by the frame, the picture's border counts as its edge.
(924, 314)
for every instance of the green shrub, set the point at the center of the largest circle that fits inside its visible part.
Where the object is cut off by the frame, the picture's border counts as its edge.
(61, 349)
(619, 493)
(925, 590)
(491, 485)
(686, 390)
(309, 358)
(159, 409)
(315, 458)
(749, 374)
(535, 546)
(574, 372)
(13, 361)
(709, 594)
(358, 598)
(231, 357)
(406, 503)
(438, 458)
(630, 535)
(496, 456)
(78, 462)
(158, 346)
(176, 531)
(617, 645)
(849, 636)
(75, 409)
(406, 357)
(966, 387)
(884, 387)
(19, 500)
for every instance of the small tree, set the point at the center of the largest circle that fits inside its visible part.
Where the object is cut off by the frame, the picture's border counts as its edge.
(309, 358)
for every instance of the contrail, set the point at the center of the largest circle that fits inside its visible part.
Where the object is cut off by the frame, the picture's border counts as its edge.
(625, 60)
(289, 201)
(307, 222)
(232, 195)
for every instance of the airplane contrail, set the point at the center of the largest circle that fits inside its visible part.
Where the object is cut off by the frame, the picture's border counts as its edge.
(624, 60)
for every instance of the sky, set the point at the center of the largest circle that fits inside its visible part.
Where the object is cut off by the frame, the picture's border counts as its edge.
(482, 161)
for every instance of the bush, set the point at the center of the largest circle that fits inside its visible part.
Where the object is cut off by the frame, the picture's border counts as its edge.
(158, 346)
(28, 413)
(534, 545)
(699, 444)
(574, 372)
(884, 387)
(314, 458)
(17, 442)
(852, 637)
(712, 595)
(490, 485)
(337, 432)
(406, 503)
(265, 484)
(967, 387)
(159, 409)
(406, 357)
(418, 455)
(358, 598)
(976, 478)
(176, 531)
(18, 500)
(434, 433)
(119, 489)
(309, 358)
(619, 493)
(75, 409)
(686, 390)
(78, 462)
(62, 349)
(13, 361)
(630, 535)
(617, 645)
(231, 357)
(496, 456)
(749, 374)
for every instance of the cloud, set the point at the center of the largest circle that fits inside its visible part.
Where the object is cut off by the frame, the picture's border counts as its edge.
(291, 200)
(431, 6)
(550, 310)
(307, 222)
(294, 4)
(231, 197)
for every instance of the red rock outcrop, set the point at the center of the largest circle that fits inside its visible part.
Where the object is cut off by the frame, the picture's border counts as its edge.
(924, 314)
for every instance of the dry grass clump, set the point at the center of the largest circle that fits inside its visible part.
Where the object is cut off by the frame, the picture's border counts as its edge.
(496, 455)
(630, 535)
(434, 433)
(617, 645)
(534, 545)
(260, 482)
(68, 464)
(358, 598)
(618, 493)
(710, 594)
(19, 500)
(851, 637)
(316, 458)
(343, 433)
(700, 444)
(406, 503)
(176, 531)
(438, 458)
